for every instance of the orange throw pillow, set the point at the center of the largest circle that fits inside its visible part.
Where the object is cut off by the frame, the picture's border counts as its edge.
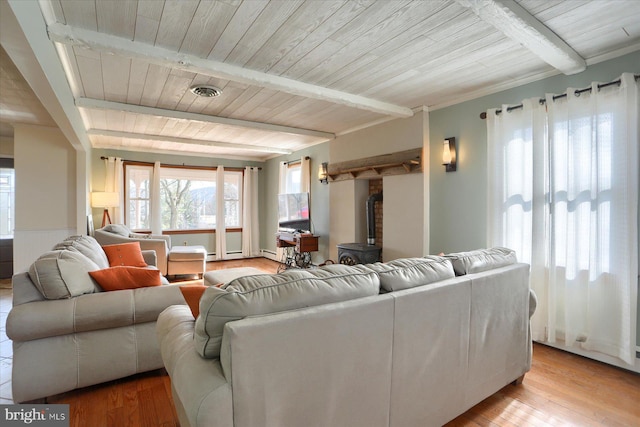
(125, 277)
(192, 294)
(128, 254)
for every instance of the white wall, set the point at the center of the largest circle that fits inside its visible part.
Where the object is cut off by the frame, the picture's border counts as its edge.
(45, 165)
(403, 216)
(349, 197)
(6, 146)
(404, 196)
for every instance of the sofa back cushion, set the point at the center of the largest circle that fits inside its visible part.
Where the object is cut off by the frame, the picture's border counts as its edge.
(411, 272)
(87, 246)
(63, 274)
(119, 229)
(264, 294)
(481, 260)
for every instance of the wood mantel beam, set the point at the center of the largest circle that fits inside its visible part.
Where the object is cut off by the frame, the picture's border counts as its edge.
(373, 167)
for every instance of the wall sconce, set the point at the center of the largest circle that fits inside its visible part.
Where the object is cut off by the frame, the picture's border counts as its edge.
(449, 154)
(323, 175)
(106, 200)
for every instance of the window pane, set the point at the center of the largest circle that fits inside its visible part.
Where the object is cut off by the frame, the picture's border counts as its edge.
(294, 174)
(138, 203)
(7, 198)
(233, 199)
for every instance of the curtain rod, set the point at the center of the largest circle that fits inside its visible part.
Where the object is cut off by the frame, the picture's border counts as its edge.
(293, 162)
(177, 166)
(543, 101)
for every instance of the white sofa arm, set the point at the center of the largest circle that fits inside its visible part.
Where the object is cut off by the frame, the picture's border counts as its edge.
(90, 312)
(201, 392)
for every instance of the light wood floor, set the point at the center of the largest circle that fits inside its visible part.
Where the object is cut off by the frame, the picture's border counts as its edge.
(561, 389)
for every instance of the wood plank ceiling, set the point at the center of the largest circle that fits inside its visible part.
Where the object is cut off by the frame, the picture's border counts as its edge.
(298, 72)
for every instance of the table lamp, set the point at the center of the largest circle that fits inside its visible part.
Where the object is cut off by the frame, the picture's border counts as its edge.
(106, 200)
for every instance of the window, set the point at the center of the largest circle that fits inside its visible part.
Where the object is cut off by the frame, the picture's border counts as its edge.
(233, 199)
(187, 198)
(7, 197)
(138, 203)
(293, 180)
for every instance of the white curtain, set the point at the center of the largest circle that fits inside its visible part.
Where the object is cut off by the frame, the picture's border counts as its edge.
(114, 183)
(282, 178)
(577, 182)
(156, 207)
(282, 189)
(250, 214)
(305, 175)
(221, 229)
(516, 192)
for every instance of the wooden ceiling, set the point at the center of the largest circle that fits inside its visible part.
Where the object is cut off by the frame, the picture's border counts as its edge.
(299, 72)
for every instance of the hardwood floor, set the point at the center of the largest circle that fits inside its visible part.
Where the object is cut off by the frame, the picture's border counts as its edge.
(561, 389)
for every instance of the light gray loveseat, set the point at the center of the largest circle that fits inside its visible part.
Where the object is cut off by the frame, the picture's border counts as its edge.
(412, 342)
(67, 333)
(118, 233)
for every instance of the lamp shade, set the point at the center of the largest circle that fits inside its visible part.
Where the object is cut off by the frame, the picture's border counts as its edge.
(446, 153)
(104, 199)
(322, 173)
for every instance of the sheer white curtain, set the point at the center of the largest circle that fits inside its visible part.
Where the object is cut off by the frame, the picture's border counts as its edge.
(282, 189)
(114, 184)
(221, 228)
(593, 152)
(250, 214)
(305, 175)
(581, 231)
(516, 193)
(156, 206)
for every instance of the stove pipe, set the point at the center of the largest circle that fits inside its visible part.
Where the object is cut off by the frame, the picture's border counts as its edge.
(371, 217)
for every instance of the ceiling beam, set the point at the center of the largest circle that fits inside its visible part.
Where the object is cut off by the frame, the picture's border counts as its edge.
(183, 115)
(110, 44)
(161, 138)
(24, 38)
(518, 24)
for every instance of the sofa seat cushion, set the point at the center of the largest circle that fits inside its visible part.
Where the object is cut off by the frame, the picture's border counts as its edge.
(87, 246)
(411, 272)
(264, 294)
(63, 274)
(104, 310)
(481, 260)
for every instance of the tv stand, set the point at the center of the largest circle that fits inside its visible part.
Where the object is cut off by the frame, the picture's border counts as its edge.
(298, 248)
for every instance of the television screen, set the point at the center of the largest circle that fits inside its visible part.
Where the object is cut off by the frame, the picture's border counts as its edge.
(293, 212)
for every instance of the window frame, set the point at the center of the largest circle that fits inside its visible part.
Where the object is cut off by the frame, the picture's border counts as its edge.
(235, 171)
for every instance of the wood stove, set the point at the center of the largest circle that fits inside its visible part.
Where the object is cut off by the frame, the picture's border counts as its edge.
(363, 253)
(358, 253)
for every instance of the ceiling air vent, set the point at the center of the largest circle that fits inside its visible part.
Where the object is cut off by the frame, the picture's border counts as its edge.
(206, 90)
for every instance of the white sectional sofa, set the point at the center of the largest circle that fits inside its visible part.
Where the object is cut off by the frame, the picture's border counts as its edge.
(68, 333)
(412, 342)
